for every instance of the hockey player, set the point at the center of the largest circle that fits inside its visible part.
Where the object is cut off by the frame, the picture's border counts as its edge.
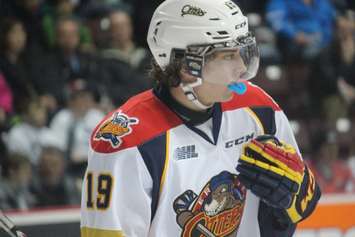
(205, 153)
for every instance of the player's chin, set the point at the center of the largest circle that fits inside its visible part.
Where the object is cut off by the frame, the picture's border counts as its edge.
(227, 96)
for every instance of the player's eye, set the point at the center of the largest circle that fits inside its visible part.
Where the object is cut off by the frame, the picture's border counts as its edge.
(229, 56)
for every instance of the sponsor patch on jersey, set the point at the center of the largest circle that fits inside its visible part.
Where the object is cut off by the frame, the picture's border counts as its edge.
(114, 128)
(216, 211)
(185, 152)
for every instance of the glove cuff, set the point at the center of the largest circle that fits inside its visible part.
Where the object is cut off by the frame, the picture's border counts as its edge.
(306, 199)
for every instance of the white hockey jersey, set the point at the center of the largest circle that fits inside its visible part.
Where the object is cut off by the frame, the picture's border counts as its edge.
(153, 172)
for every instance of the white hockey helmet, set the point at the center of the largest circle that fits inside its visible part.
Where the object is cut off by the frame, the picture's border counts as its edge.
(178, 26)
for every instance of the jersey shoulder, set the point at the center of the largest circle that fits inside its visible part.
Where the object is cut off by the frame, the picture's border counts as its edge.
(140, 119)
(253, 97)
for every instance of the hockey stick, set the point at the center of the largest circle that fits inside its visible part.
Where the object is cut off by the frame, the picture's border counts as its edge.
(9, 227)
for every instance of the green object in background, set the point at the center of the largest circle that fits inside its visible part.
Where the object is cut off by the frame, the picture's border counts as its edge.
(49, 25)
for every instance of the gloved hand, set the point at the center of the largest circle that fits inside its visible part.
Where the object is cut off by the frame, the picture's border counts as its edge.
(274, 171)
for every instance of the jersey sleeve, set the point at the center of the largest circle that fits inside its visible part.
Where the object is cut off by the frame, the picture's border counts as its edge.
(116, 198)
(284, 131)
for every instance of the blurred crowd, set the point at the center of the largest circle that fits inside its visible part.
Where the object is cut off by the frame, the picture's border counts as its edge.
(65, 63)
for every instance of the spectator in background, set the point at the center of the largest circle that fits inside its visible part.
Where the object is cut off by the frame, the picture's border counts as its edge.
(252, 6)
(3, 151)
(121, 46)
(6, 108)
(332, 174)
(95, 13)
(124, 66)
(6, 99)
(52, 186)
(64, 64)
(58, 9)
(351, 162)
(343, 5)
(351, 137)
(332, 83)
(304, 27)
(89, 7)
(74, 124)
(27, 137)
(29, 14)
(17, 176)
(12, 64)
(346, 57)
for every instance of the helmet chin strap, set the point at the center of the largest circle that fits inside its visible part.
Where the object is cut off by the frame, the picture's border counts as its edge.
(191, 95)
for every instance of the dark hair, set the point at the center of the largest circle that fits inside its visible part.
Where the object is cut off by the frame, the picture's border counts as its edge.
(51, 150)
(64, 19)
(28, 104)
(119, 9)
(6, 26)
(13, 162)
(169, 77)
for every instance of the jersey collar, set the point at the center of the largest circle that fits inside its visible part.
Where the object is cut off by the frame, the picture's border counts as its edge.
(188, 116)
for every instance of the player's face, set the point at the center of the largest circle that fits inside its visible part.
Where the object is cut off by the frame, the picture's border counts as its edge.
(221, 69)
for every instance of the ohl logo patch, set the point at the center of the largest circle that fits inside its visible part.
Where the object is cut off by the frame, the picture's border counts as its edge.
(216, 211)
(114, 128)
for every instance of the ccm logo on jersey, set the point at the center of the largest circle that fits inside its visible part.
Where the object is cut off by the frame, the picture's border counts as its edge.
(114, 128)
(239, 140)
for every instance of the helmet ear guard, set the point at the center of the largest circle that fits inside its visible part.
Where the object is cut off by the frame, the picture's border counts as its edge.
(194, 64)
(192, 61)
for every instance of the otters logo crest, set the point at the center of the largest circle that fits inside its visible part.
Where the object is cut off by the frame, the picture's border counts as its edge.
(114, 128)
(216, 211)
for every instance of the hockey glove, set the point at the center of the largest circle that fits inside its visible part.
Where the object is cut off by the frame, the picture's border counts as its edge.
(274, 171)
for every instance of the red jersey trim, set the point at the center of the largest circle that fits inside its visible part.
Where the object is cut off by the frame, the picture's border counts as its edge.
(254, 96)
(140, 119)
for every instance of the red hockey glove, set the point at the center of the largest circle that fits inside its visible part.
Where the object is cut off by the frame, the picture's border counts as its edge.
(274, 171)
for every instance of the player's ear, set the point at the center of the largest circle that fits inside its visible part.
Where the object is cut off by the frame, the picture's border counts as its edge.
(186, 77)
